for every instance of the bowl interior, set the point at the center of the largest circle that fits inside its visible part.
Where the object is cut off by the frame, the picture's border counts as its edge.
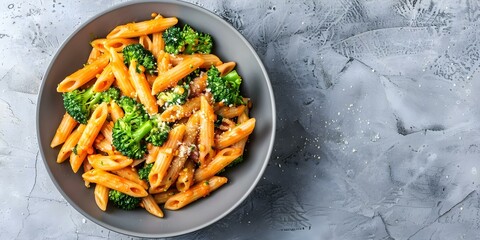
(229, 46)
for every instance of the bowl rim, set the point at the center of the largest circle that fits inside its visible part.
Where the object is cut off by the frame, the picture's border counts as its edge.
(207, 223)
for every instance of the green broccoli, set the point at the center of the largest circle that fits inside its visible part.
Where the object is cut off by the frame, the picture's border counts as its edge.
(131, 132)
(224, 89)
(142, 56)
(145, 171)
(187, 40)
(79, 104)
(174, 96)
(123, 201)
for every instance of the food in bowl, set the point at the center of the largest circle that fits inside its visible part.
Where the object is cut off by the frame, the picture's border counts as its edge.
(153, 117)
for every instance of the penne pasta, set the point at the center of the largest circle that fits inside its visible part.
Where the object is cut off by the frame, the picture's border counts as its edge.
(101, 196)
(164, 157)
(208, 59)
(94, 54)
(88, 136)
(87, 167)
(120, 72)
(115, 182)
(151, 206)
(175, 74)
(185, 177)
(137, 29)
(225, 68)
(219, 162)
(189, 138)
(235, 134)
(67, 147)
(117, 44)
(163, 62)
(115, 111)
(201, 189)
(83, 75)
(157, 43)
(146, 42)
(63, 131)
(198, 85)
(105, 80)
(109, 163)
(177, 112)
(143, 89)
(206, 135)
(152, 154)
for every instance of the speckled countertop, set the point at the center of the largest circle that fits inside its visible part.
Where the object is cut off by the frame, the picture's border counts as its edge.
(378, 120)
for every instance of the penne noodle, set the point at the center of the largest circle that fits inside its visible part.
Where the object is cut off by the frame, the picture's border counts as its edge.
(106, 131)
(151, 206)
(115, 182)
(116, 112)
(101, 196)
(185, 177)
(164, 196)
(235, 134)
(132, 175)
(88, 136)
(157, 43)
(72, 140)
(219, 162)
(189, 138)
(64, 129)
(201, 189)
(94, 54)
(208, 59)
(120, 72)
(206, 135)
(241, 144)
(175, 74)
(109, 163)
(143, 89)
(225, 68)
(105, 80)
(138, 29)
(83, 75)
(103, 145)
(150, 78)
(177, 112)
(164, 157)
(163, 62)
(152, 154)
(146, 42)
(230, 112)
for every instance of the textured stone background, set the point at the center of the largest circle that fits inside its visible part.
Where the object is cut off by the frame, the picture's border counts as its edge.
(377, 120)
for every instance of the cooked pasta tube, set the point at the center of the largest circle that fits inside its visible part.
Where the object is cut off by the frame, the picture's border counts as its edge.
(151, 206)
(115, 182)
(138, 29)
(64, 129)
(83, 75)
(105, 80)
(219, 162)
(109, 163)
(143, 88)
(176, 112)
(175, 74)
(206, 135)
(101, 196)
(185, 177)
(208, 59)
(201, 189)
(235, 134)
(132, 175)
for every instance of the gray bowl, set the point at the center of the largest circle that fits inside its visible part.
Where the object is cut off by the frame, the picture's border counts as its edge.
(229, 46)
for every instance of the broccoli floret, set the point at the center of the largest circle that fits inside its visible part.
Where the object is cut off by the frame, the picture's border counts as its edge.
(224, 89)
(80, 103)
(189, 78)
(173, 40)
(145, 171)
(187, 40)
(174, 96)
(135, 128)
(122, 200)
(141, 55)
(196, 42)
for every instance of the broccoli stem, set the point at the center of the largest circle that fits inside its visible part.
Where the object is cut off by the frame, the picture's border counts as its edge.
(142, 131)
(231, 76)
